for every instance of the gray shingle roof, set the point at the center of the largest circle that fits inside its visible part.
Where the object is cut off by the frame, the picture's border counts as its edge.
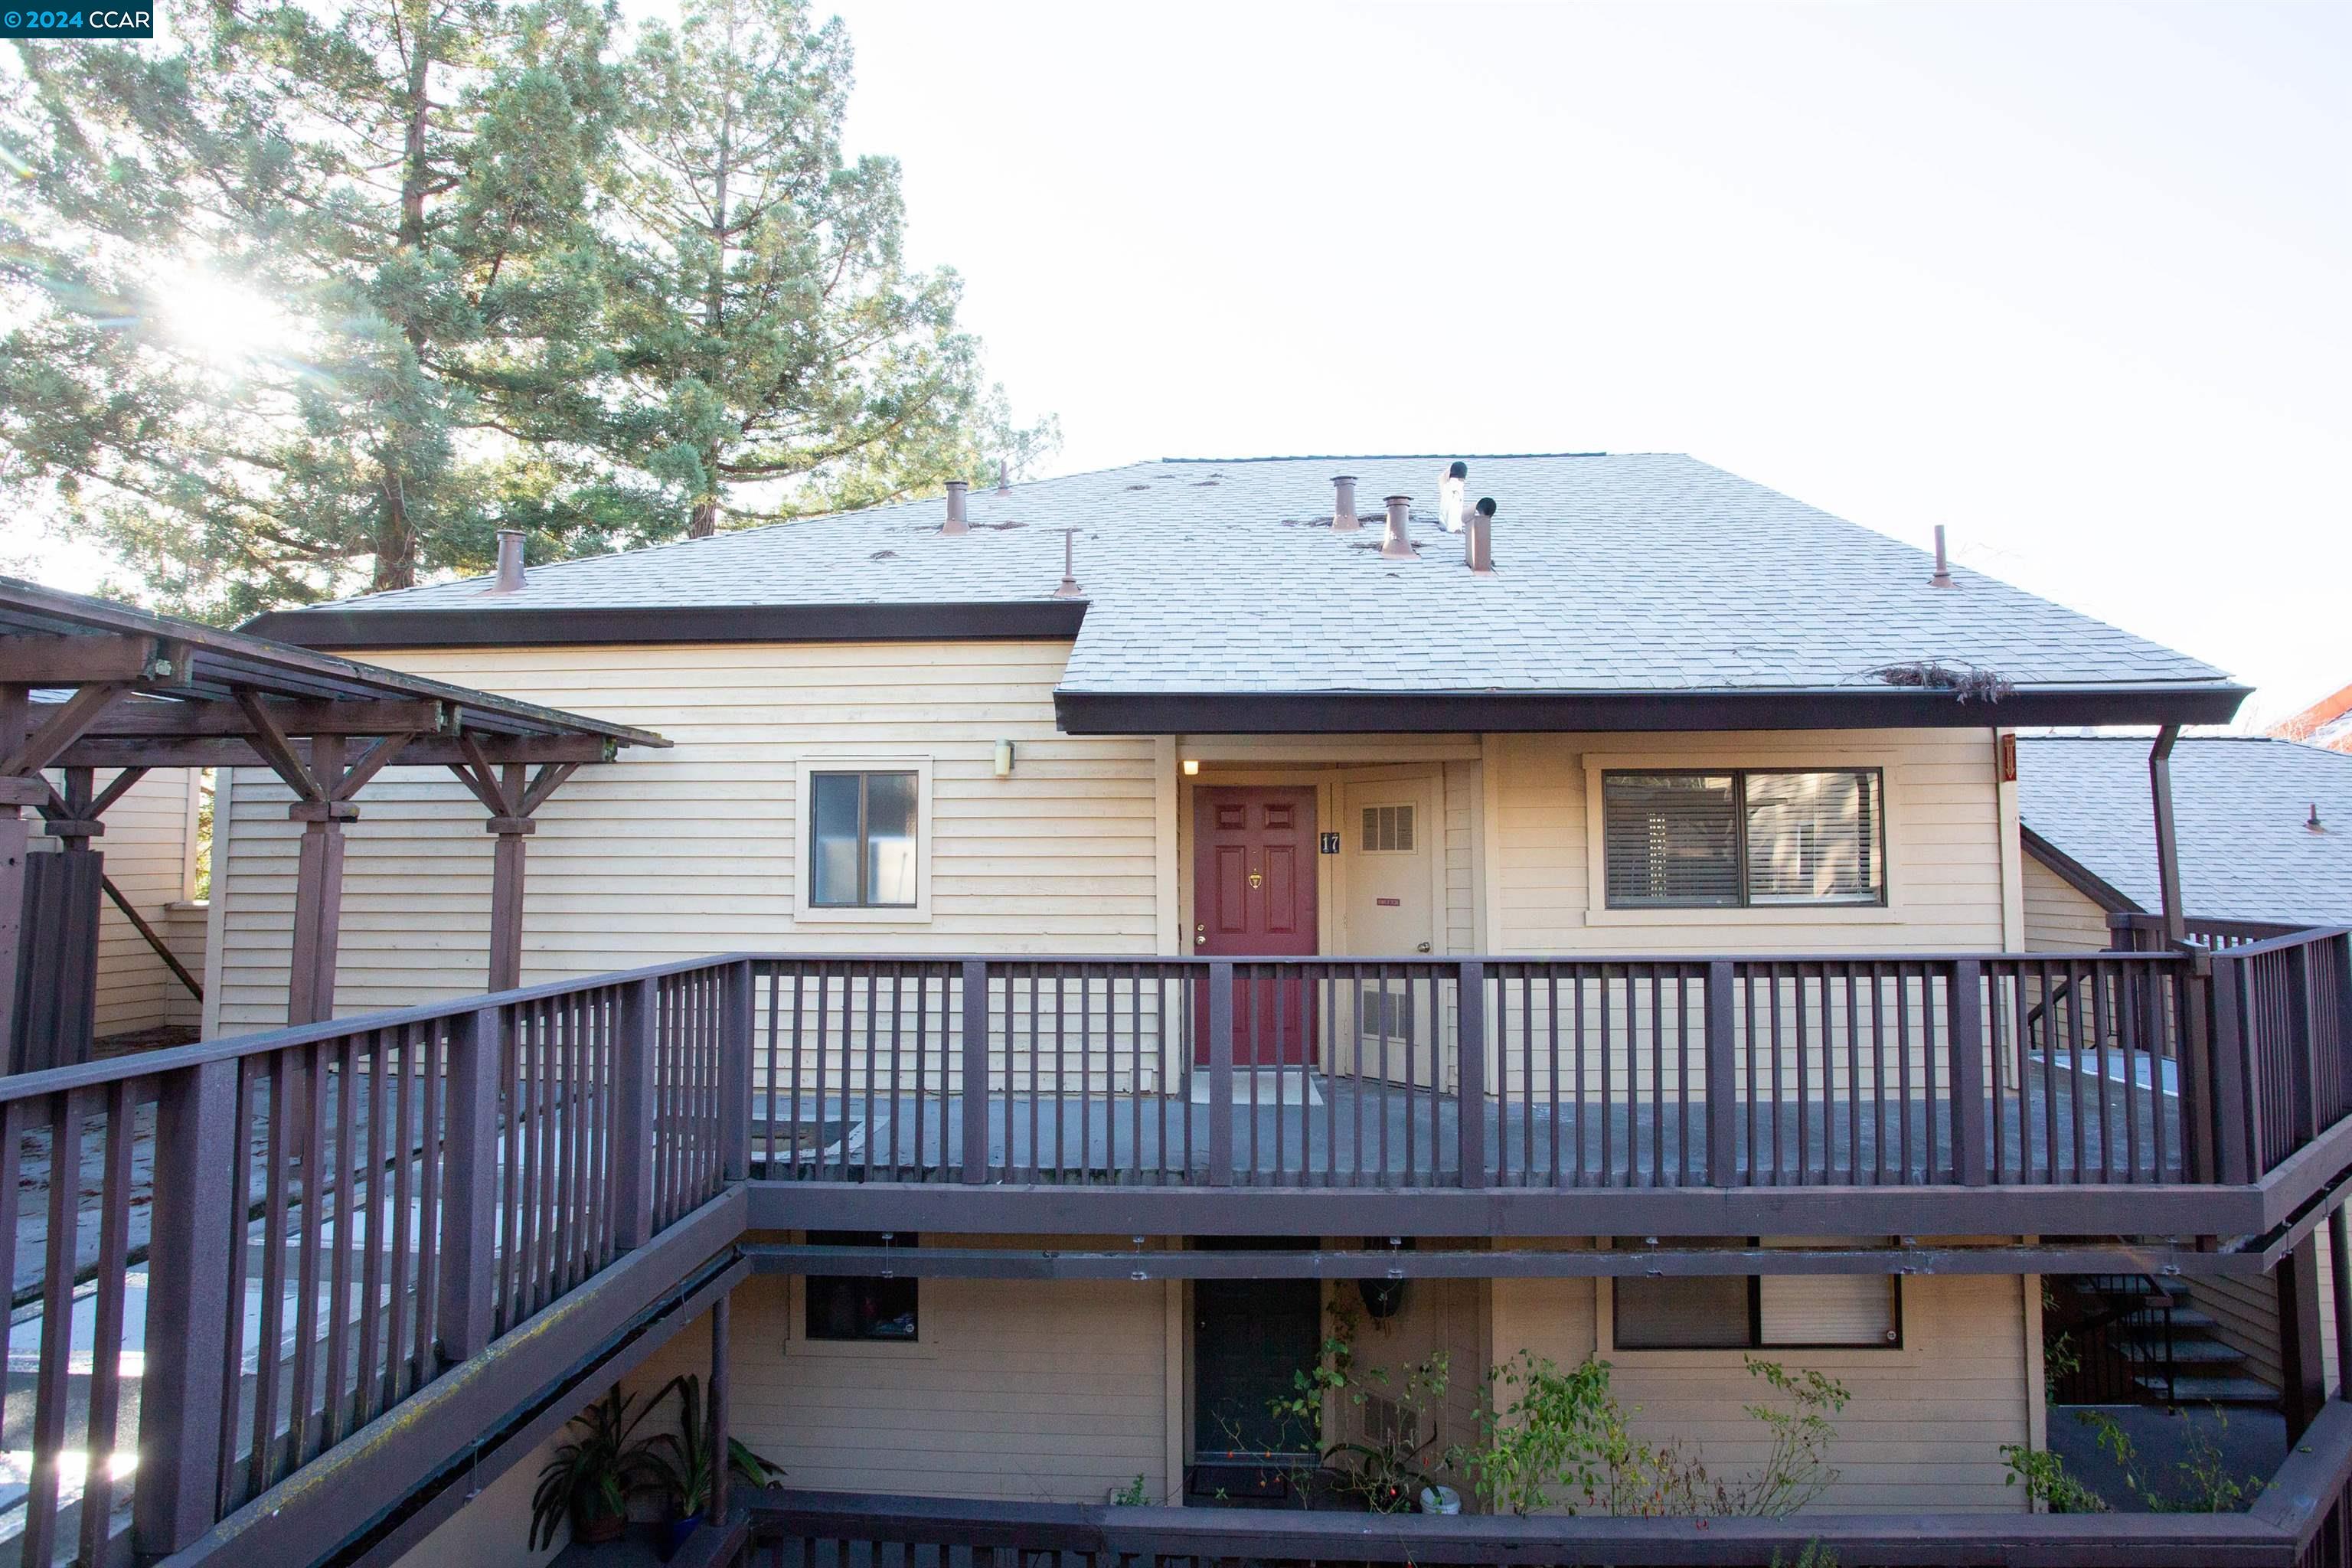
(2239, 803)
(1641, 572)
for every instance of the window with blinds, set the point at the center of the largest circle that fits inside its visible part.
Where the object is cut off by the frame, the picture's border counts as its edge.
(1771, 1311)
(1387, 831)
(1711, 840)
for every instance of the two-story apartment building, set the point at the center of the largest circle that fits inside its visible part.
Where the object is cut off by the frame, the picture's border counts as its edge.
(1170, 915)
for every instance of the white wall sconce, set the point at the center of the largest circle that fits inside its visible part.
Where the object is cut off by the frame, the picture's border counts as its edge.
(1004, 759)
(1192, 767)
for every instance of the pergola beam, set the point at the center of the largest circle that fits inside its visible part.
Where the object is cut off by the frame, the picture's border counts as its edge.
(40, 660)
(184, 719)
(427, 750)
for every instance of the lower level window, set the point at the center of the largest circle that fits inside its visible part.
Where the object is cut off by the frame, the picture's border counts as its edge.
(857, 1306)
(1733, 1311)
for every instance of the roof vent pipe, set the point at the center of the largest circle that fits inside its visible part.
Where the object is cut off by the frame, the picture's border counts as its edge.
(1397, 543)
(1943, 578)
(510, 578)
(1003, 478)
(1343, 504)
(955, 523)
(1479, 537)
(1069, 588)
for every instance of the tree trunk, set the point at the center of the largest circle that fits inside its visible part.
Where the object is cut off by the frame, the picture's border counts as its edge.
(704, 522)
(394, 543)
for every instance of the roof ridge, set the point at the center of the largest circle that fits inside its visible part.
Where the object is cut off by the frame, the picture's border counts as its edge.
(1402, 457)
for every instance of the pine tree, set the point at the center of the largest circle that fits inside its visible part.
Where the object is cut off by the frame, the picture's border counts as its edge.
(406, 180)
(778, 354)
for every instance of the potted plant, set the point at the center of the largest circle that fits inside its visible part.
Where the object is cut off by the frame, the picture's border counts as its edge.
(591, 1477)
(683, 1462)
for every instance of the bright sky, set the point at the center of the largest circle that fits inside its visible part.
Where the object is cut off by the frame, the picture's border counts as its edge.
(2069, 279)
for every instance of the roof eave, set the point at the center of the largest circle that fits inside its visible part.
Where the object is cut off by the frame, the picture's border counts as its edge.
(539, 626)
(1373, 712)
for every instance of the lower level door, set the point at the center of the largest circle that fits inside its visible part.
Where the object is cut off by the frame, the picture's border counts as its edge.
(1250, 1340)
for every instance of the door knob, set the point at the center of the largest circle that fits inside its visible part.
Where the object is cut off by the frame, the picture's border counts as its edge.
(1200, 936)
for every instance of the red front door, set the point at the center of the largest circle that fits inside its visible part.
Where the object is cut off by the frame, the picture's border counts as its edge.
(1254, 897)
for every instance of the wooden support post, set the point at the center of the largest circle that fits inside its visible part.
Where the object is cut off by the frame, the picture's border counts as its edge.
(1722, 1046)
(1221, 1073)
(715, 1412)
(2167, 845)
(1964, 1020)
(975, 1071)
(2234, 1147)
(191, 1233)
(737, 988)
(16, 843)
(2302, 1369)
(469, 1187)
(506, 900)
(1470, 1012)
(633, 1116)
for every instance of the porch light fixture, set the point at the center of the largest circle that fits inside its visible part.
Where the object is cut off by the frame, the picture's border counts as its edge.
(1004, 759)
(1192, 767)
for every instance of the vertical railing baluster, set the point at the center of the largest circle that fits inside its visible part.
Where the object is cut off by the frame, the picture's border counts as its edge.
(300, 1425)
(103, 1408)
(52, 1374)
(344, 1182)
(2238, 1155)
(365, 1380)
(1722, 1077)
(975, 1071)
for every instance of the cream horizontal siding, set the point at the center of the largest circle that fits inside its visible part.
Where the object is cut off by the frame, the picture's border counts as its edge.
(1923, 1430)
(1462, 789)
(693, 850)
(1022, 1390)
(2057, 918)
(1944, 850)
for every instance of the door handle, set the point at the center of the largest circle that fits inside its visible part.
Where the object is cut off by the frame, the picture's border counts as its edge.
(1200, 936)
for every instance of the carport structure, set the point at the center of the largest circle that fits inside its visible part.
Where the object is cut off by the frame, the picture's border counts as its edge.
(91, 687)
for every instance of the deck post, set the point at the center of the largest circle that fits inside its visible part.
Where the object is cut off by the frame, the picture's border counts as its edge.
(318, 887)
(506, 899)
(1221, 1072)
(2301, 1370)
(2167, 847)
(715, 1413)
(975, 1071)
(1964, 1019)
(737, 991)
(188, 1304)
(1722, 1077)
(1470, 1094)
(466, 1313)
(2233, 1151)
(633, 1116)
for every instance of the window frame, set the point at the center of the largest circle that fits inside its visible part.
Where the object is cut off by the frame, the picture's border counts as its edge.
(805, 910)
(1746, 901)
(805, 1314)
(1894, 1341)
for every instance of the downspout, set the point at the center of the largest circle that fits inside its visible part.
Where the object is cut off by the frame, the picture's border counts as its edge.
(2168, 848)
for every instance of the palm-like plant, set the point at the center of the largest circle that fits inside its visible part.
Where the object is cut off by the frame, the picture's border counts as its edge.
(590, 1478)
(683, 1462)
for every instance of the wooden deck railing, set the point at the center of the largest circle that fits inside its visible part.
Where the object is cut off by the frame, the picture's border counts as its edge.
(2299, 1522)
(1968, 1070)
(231, 1257)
